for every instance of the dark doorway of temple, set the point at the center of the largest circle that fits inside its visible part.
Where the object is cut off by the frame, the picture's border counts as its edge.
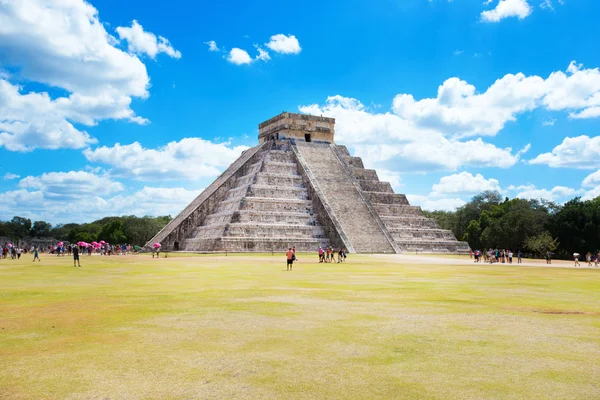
(176, 246)
(307, 137)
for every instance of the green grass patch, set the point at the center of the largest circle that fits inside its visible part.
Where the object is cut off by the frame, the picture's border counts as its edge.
(241, 326)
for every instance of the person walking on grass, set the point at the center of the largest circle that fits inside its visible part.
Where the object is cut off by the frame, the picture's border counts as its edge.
(588, 259)
(321, 255)
(36, 255)
(76, 262)
(290, 259)
(576, 259)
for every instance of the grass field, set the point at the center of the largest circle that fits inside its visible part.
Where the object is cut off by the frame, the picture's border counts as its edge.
(241, 327)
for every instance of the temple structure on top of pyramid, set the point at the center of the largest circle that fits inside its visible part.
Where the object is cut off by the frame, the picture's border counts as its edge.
(298, 188)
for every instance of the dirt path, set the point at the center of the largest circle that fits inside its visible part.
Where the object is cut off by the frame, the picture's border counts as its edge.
(458, 260)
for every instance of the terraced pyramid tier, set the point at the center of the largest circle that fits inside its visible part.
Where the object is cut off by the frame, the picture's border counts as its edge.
(266, 209)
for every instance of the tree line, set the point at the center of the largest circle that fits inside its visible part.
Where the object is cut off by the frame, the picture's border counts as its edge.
(491, 221)
(117, 230)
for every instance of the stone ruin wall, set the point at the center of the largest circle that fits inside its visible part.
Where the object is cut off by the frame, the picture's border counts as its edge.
(295, 126)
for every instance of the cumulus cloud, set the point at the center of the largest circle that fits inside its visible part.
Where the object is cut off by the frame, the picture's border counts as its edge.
(142, 42)
(283, 44)
(460, 111)
(10, 176)
(65, 46)
(388, 141)
(505, 9)
(578, 152)
(71, 185)
(187, 159)
(557, 193)
(464, 183)
(239, 57)
(279, 43)
(592, 180)
(212, 45)
(432, 204)
(86, 207)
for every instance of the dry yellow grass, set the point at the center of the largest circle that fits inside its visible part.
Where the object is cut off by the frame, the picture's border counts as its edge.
(242, 327)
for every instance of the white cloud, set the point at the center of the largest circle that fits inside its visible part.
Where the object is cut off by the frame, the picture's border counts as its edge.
(388, 141)
(459, 110)
(71, 185)
(283, 44)
(187, 159)
(36, 204)
(142, 42)
(212, 45)
(557, 193)
(591, 194)
(239, 57)
(506, 9)
(592, 180)
(464, 183)
(63, 44)
(549, 5)
(262, 54)
(10, 176)
(429, 204)
(34, 120)
(549, 122)
(578, 152)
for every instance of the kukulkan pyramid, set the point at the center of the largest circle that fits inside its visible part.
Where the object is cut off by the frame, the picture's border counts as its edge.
(298, 188)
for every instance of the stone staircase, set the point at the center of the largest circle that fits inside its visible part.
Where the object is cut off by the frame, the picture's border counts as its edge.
(407, 224)
(267, 209)
(358, 221)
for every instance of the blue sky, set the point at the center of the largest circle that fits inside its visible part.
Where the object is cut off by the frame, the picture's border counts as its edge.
(110, 108)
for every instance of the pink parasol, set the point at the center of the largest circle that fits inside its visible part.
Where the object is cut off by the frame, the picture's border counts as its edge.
(9, 245)
(59, 244)
(103, 242)
(156, 245)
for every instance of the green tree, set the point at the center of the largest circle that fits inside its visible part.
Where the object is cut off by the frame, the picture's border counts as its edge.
(20, 227)
(41, 229)
(541, 243)
(112, 232)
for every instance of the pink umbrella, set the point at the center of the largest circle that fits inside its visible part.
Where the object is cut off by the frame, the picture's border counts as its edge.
(103, 242)
(59, 244)
(9, 245)
(156, 245)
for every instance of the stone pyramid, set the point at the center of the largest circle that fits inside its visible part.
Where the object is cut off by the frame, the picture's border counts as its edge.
(298, 188)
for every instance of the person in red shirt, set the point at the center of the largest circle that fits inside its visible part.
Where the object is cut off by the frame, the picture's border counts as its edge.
(290, 259)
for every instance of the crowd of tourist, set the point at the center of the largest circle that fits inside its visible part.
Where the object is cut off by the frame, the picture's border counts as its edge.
(506, 256)
(327, 255)
(496, 256)
(9, 251)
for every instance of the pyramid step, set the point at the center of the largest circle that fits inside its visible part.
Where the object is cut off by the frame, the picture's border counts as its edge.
(422, 234)
(280, 180)
(278, 192)
(267, 217)
(270, 204)
(279, 167)
(363, 173)
(254, 244)
(280, 156)
(392, 222)
(376, 186)
(387, 198)
(397, 210)
(274, 230)
(435, 246)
